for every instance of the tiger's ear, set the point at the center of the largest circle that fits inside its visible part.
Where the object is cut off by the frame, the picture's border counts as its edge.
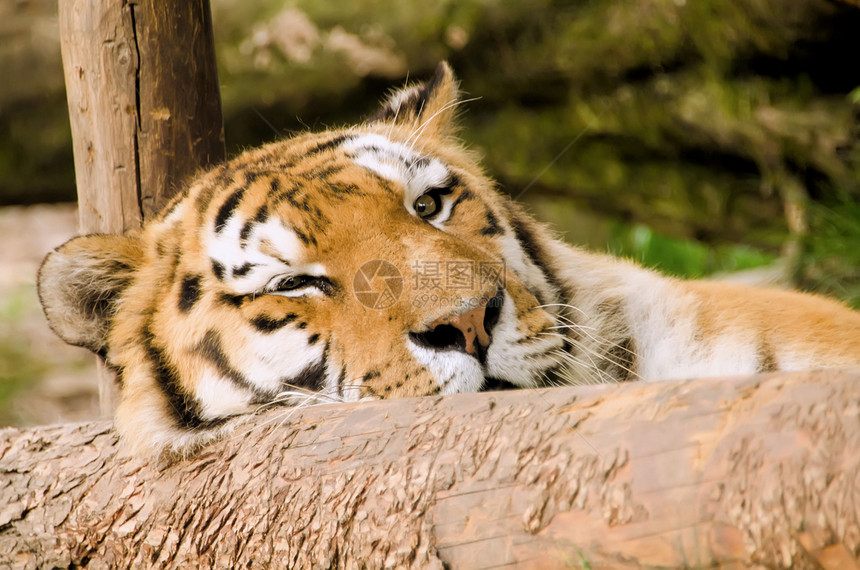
(79, 283)
(429, 106)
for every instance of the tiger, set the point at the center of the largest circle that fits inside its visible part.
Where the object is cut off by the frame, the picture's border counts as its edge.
(379, 261)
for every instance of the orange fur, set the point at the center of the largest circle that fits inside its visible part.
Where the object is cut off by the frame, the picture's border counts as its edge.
(820, 328)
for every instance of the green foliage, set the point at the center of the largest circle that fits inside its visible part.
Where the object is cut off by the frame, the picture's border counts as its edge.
(682, 258)
(831, 257)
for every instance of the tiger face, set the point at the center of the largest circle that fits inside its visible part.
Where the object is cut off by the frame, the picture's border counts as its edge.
(369, 262)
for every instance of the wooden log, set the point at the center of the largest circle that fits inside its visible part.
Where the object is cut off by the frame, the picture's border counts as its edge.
(145, 110)
(760, 471)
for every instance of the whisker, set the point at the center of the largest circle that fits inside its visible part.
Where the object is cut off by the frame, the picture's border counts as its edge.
(572, 326)
(420, 129)
(589, 352)
(577, 371)
(564, 305)
(598, 341)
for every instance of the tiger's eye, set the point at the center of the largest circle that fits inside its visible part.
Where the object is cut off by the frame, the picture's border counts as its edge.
(426, 205)
(293, 282)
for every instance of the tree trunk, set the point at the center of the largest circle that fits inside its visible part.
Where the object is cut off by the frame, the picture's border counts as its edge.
(145, 110)
(704, 473)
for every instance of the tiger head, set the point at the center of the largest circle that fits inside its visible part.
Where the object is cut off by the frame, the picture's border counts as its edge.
(375, 261)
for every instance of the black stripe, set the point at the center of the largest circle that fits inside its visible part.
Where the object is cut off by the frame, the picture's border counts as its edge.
(185, 408)
(464, 195)
(313, 338)
(223, 178)
(189, 292)
(370, 392)
(211, 349)
(318, 220)
(492, 228)
(218, 270)
(262, 214)
(306, 239)
(311, 378)
(174, 264)
(331, 143)
(767, 359)
(388, 111)
(341, 380)
(340, 190)
(245, 232)
(293, 195)
(243, 269)
(420, 162)
(383, 183)
(619, 360)
(227, 208)
(322, 173)
(232, 300)
(533, 251)
(267, 324)
(428, 88)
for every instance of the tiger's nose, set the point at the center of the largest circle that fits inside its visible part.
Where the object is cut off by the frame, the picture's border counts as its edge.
(468, 331)
(469, 325)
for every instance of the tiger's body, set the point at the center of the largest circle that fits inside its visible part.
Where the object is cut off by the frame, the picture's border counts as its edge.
(260, 284)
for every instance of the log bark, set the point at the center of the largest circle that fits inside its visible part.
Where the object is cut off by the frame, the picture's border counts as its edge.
(145, 111)
(760, 471)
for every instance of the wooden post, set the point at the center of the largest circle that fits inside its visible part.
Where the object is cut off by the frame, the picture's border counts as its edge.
(145, 110)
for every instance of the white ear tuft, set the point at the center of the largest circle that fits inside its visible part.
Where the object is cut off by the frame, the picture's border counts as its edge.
(79, 283)
(430, 105)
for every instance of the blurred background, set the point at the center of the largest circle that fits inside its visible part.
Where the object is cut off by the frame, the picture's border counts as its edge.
(702, 137)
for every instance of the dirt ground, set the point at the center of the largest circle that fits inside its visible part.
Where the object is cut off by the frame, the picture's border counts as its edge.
(42, 380)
